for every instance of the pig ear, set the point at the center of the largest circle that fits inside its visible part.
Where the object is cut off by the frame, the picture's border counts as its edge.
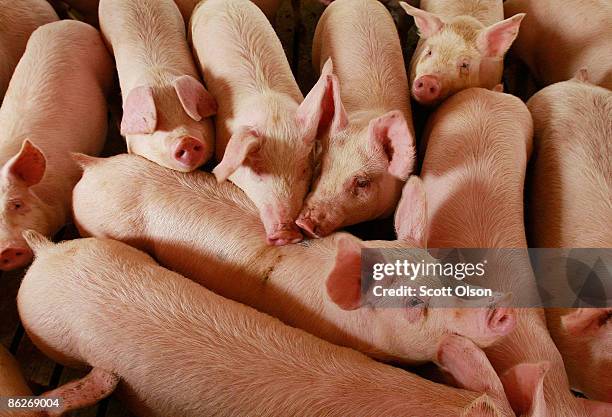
(197, 102)
(391, 134)
(84, 161)
(27, 167)
(596, 408)
(582, 75)
(524, 387)
(344, 280)
(323, 105)
(411, 213)
(585, 321)
(139, 112)
(468, 366)
(494, 41)
(89, 390)
(499, 88)
(241, 145)
(35, 240)
(428, 23)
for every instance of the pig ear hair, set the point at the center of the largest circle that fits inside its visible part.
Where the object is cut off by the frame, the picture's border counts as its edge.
(28, 166)
(582, 75)
(482, 406)
(596, 408)
(524, 387)
(411, 224)
(391, 134)
(323, 105)
(243, 143)
(494, 41)
(139, 112)
(344, 280)
(428, 23)
(35, 240)
(585, 321)
(84, 392)
(84, 161)
(197, 102)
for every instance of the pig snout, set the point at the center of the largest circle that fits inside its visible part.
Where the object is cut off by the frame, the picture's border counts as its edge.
(501, 320)
(427, 89)
(190, 152)
(311, 222)
(280, 228)
(14, 255)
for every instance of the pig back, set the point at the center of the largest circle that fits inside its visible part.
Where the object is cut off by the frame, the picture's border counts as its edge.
(56, 98)
(487, 12)
(18, 19)
(361, 39)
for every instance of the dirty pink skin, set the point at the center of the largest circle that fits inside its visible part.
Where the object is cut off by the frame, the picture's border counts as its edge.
(570, 208)
(462, 45)
(65, 66)
(223, 238)
(265, 129)
(474, 182)
(368, 150)
(270, 361)
(166, 108)
(579, 38)
(18, 19)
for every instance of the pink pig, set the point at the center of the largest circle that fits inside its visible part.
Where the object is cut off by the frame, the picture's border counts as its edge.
(18, 19)
(166, 108)
(265, 130)
(559, 39)
(368, 150)
(269, 7)
(181, 350)
(55, 104)
(570, 208)
(478, 144)
(314, 286)
(463, 43)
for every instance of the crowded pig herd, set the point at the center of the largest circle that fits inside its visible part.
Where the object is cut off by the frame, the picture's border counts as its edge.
(260, 311)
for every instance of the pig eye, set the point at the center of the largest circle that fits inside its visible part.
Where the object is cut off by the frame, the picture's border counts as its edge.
(464, 67)
(360, 183)
(16, 205)
(428, 53)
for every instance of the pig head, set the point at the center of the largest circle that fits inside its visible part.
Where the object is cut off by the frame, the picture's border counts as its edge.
(165, 123)
(458, 53)
(363, 163)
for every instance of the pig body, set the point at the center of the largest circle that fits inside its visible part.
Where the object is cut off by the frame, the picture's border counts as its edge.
(478, 144)
(462, 45)
(269, 7)
(18, 20)
(180, 349)
(322, 298)
(265, 130)
(557, 41)
(166, 108)
(368, 150)
(55, 104)
(571, 208)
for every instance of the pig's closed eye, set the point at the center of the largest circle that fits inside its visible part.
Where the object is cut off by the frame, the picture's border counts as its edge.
(464, 67)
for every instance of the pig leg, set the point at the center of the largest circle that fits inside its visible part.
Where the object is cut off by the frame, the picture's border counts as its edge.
(90, 389)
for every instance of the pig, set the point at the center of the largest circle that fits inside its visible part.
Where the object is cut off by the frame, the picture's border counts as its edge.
(269, 7)
(18, 19)
(368, 150)
(55, 104)
(580, 37)
(570, 208)
(478, 144)
(462, 45)
(166, 109)
(181, 350)
(266, 130)
(313, 286)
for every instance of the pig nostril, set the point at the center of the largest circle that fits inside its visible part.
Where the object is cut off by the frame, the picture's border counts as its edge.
(18, 253)
(420, 85)
(197, 148)
(181, 153)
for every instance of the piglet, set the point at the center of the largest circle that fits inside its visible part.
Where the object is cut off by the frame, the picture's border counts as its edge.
(570, 208)
(18, 19)
(265, 129)
(55, 104)
(368, 149)
(181, 350)
(559, 39)
(314, 286)
(166, 108)
(478, 144)
(462, 45)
